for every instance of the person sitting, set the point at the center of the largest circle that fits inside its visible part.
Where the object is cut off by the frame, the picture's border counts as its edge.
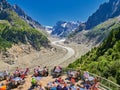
(78, 74)
(45, 71)
(48, 86)
(17, 69)
(65, 87)
(59, 80)
(26, 71)
(59, 87)
(40, 87)
(17, 73)
(34, 82)
(72, 74)
(40, 71)
(87, 85)
(62, 82)
(54, 86)
(3, 87)
(5, 73)
(57, 71)
(35, 72)
(95, 85)
(69, 74)
(86, 75)
(72, 81)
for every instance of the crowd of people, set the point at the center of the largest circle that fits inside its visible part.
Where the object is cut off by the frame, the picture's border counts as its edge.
(73, 80)
(38, 71)
(14, 79)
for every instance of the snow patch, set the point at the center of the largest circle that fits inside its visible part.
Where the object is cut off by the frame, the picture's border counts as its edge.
(64, 25)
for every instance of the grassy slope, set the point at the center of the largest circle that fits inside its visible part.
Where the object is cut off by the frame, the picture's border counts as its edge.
(104, 60)
(14, 30)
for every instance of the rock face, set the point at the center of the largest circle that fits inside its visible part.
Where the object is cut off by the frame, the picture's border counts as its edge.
(106, 11)
(4, 4)
(63, 28)
(15, 52)
(26, 18)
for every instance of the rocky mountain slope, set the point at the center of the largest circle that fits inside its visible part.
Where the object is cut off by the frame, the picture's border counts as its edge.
(63, 28)
(26, 18)
(104, 60)
(98, 25)
(95, 35)
(106, 11)
(16, 32)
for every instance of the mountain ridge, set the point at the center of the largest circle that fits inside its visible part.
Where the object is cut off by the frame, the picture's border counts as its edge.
(95, 35)
(25, 17)
(106, 11)
(63, 28)
(95, 28)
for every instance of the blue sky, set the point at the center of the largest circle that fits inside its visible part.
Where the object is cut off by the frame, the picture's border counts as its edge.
(48, 12)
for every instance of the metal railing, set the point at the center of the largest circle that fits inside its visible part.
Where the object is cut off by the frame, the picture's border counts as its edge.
(105, 84)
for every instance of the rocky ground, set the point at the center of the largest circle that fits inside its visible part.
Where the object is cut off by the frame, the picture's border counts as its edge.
(26, 56)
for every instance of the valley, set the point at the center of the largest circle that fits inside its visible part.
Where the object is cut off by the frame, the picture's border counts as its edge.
(60, 54)
(90, 45)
